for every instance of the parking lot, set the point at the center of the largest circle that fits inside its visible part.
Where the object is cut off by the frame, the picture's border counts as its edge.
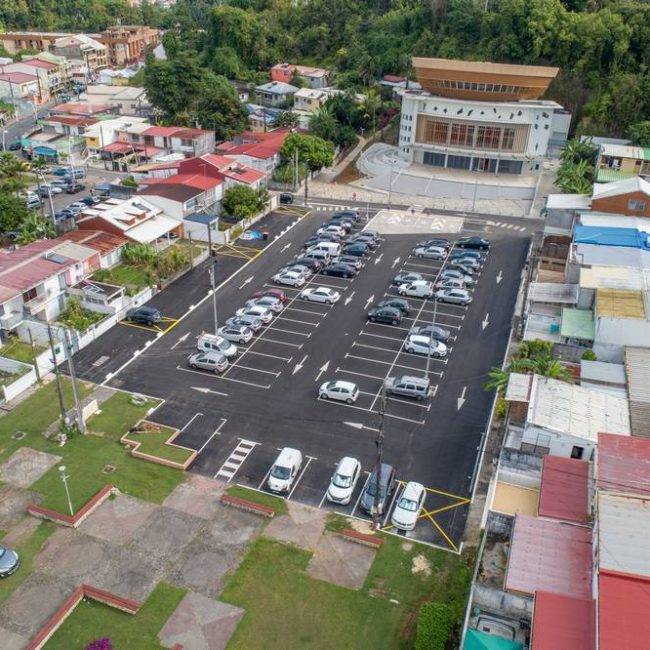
(268, 397)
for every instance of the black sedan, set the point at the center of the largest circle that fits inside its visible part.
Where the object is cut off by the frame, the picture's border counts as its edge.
(396, 303)
(309, 262)
(340, 270)
(369, 241)
(474, 243)
(356, 249)
(406, 277)
(440, 242)
(387, 315)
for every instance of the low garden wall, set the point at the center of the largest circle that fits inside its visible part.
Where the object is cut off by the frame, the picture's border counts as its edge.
(135, 445)
(27, 377)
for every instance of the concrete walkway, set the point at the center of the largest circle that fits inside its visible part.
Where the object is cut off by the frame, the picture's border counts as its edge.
(329, 175)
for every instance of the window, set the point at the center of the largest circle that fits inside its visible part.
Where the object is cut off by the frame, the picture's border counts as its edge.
(577, 452)
(508, 139)
(636, 205)
(488, 137)
(462, 134)
(434, 159)
(458, 162)
(436, 131)
(186, 142)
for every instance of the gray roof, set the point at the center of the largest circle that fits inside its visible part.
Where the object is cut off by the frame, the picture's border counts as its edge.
(277, 88)
(602, 372)
(637, 367)
(611, 255)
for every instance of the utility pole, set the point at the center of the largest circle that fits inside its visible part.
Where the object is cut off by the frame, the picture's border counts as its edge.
(191, 250)
(390, 184)
(68, 353)
(296, 175)
(431, 338)
(213, 272)
(379, 442)
(57, 375)
(306, 184)
(31, 343)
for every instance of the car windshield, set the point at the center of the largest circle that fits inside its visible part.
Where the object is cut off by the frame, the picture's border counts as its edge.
(372, 488)
(342, 481)
(2, 551)
(280, 472)
(407, 504)
(223, 345)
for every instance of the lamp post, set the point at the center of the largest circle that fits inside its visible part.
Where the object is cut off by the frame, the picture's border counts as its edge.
(64, 478)
(213, 272)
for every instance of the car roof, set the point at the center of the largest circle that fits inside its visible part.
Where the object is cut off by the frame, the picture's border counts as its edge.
(413, 380)
(345, 384)
(420, 338)
(145, 308)
(347, 463)
(287, 455)
(412, 490)
(212, 354)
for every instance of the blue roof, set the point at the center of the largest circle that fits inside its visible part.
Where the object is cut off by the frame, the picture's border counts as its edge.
(201, 217)
(610, 236)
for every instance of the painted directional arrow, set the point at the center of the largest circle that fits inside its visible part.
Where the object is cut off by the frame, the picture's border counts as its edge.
(461, 400)
(378, 259)
(180, 340)
(322, 370)
(203, 390)
(299, 366)
(284, 248)
(499, 277)
(486, 321)
(369, 300)
(395, 262)
(348, 300)
(245, 282)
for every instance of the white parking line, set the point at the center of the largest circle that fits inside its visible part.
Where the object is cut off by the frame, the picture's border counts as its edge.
(403, 401)
(400, 351)
(304, 469)
(291, 345)
(295, 320)
(265, 372)
(270, 356)
(236, 459)
(279, 329)
(359, 374)
(370, 410)
(396, 365)
(380, 336)
(356, 503)
(187, 424)
(391, 504)
(216, 432)
(221, 377)
(306, 311)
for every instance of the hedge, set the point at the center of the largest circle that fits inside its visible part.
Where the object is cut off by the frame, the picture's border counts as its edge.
(435, 624)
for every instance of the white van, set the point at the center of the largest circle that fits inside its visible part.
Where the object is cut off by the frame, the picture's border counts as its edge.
(285, 470)
(214, 343)
(333, 248)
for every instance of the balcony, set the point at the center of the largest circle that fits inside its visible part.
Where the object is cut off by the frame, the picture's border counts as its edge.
(38, 304)
(11, 320)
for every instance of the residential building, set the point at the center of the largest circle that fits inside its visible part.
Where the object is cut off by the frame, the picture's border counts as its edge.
(276, 94)
(128, 100)
(88, 54)
(483, 117)
(20, 85)
(260, 151)
(616, 162)
(134, 219)
(111, 77)
(309, 99)
(14, 42)
(57, 69)
(41, 73)
(262, 118)
(126, 44)
(285, 73)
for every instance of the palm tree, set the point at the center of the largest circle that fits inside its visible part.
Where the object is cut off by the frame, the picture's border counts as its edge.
(498, 377)
(575, 178)
(35, 227)
(323, 124)
(11, 172)
(576, 150)
(371, 105)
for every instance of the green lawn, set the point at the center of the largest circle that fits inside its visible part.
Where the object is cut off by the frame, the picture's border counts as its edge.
(85, 457)
(80, 319)
(26, 552)
(278, 504)
(7, 378)
(153, 443)
(20, 351)
(132, 277)
(92, 620)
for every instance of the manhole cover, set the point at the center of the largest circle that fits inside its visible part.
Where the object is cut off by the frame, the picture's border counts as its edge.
(19, 435)
(138, 400)
(101, 361)
(109, 469)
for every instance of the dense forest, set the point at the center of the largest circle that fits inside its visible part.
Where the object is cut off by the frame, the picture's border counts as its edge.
(602, 46)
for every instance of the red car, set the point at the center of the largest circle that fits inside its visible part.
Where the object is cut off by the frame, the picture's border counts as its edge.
(276, 293)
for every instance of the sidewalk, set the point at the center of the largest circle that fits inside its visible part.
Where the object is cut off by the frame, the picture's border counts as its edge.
(329, 175)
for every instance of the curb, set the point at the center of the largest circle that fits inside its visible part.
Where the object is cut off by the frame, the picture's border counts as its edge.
(248, 506)
(372, 541)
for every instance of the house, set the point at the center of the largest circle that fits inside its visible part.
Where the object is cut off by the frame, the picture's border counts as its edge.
(483, 117)
(275, 94)
(58, 69)
(86, 54)
(127, 44)
(128, 100)
(285, 73)
(260, 151)
(628, 197)
(134, 219)
(20, 85)
(108, 246)
(615, 162)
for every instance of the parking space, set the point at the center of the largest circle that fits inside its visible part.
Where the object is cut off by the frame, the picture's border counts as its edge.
(166, 323)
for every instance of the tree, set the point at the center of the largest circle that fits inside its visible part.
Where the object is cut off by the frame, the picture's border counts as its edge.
(323, 124)
(640, 133)
(575, 178)
(12, 173)
(218, 107)
(242, 201)
(575, 150)
(13, 212)
(371, 106)
(312, 150)
(287, 119)
(34, 227)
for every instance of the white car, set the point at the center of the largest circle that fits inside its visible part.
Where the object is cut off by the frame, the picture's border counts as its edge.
(454, 296)
(303, 270)
(217, 344)
(343, 391)
(320, 294)
(289, 278)
(430, 252)
(285, 470)
(450, 283)
(409, 506)
(236, 333)
(269, 302)
(334, 230)
(344, 480)
(263, 313)
(418, 344)
(417, 289)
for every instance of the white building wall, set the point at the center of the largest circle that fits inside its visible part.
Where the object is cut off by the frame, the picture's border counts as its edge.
(559, 444)
(612, 335)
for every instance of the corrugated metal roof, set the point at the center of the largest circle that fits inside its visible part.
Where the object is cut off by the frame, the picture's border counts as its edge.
(594, 254)
(634, 184)
(577, 324)
(614, 277)
(623, 604)
(624, 532)
(637, 368)
(623, 464)
(602, 372)
(621, 151)
(563, 623)
(553, 292)
(568, 201)
(619, 303)
(550, 556)
(477, 640)
(564, 492)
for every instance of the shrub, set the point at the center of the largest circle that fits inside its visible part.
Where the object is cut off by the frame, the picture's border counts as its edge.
(589, 355)
(435, 624)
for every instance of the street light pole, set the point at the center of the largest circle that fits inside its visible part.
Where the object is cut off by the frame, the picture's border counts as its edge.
(379, 443)
(213, 272)
(390, 184)
(64, 478)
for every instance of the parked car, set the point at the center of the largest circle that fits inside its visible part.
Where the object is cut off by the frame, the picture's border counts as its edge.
(430, 252)
(310, 263)
(343, 222)
(9, 562)
(441, 242)
(334, 230)
(212, 361)
(456, 274)
(286, 198)
(258, 311)
(382, 485)
(340, 270)
(45, 190)
(426, 345)
(418, 388)
(370, 241)
(302, 269)
(145, 315)
(454, 296)
(78, 206)
(252, 322)
(350, 260)
(276, 293)
(236, 333)
(408, 506)
(59, 182)
(344, 480)
(319, 256)
(450, 283)
(339, 390)
(356, 249)
(15, 146)
(73, 173)
(269, 302)
(433, 331)
(475, 243)
(91, 200)
(320, 294)
(284, 470)
(468, 262)
(33, 202)
(476, 255)
(417, 289)
(73, 188)
(215, 343)
(466, 269)
(397, 303)
(387, 315)
(405, 277)
(60, 171)
(351, 214)
(290, 278)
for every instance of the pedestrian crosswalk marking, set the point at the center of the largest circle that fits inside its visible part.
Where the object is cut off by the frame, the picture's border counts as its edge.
(235, 460)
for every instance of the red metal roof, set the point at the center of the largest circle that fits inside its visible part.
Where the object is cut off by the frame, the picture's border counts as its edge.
(17, 77)
(102, 242)
(118, 147)
(243, 174)
(623, 463)
(550, 556)
(190, 134)
(256, 145)
(38, 63)
(623, 605)
(162, 131)
(198, 181)
(561, 622)
(81, 108)
(564, 492)
(74, 120)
